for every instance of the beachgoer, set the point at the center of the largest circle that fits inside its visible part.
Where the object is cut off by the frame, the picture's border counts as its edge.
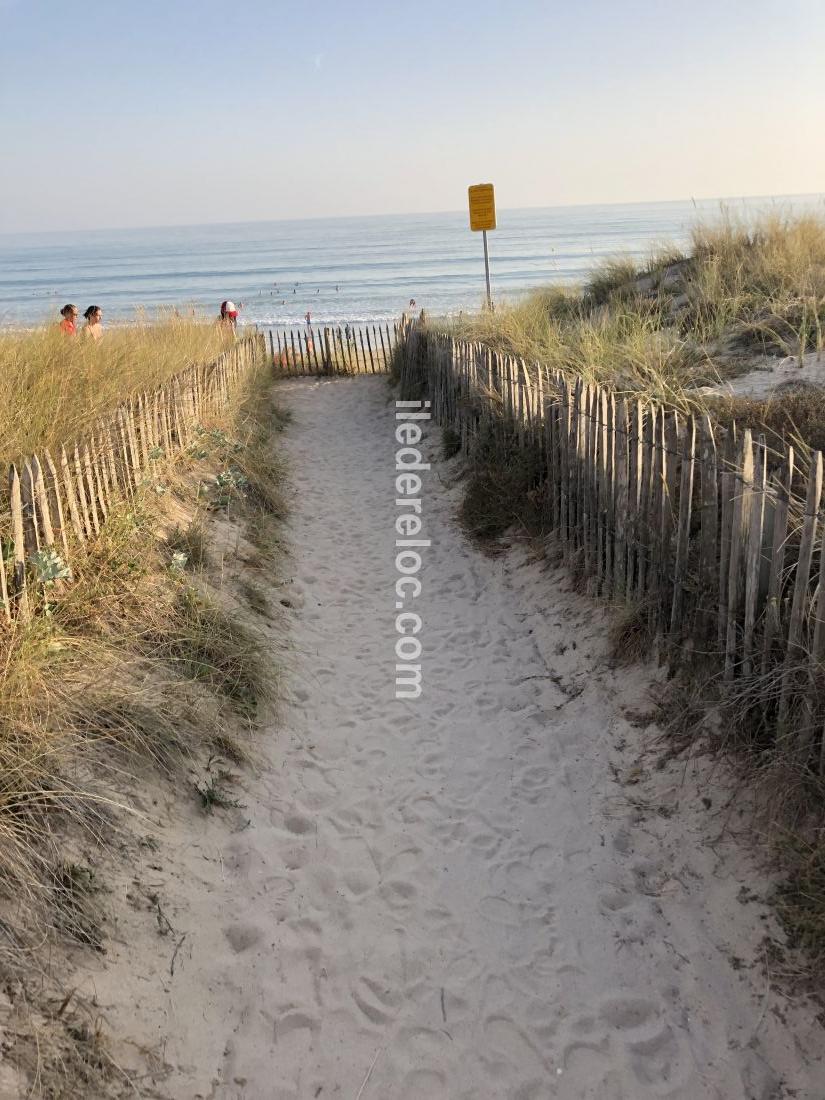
(308, 317)
(229, 314)
(69, 323)
(93, 327)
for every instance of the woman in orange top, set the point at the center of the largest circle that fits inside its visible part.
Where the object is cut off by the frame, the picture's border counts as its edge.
(69, 322)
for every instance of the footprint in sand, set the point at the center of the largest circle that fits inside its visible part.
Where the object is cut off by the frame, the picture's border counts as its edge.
(237, 858)
(295, 858)
(422, 1044)
(658, 1061)
(613, 901)
(423, 1084)
(242, 936)
(292, 1022)
(399, 896)
(535, 778)
(500, 911)
(624, 1013)
(297, 824)
(486, 843)
(505, 1038)
(405, 862)
(376, 1001)
(422, 809)
(518, 878)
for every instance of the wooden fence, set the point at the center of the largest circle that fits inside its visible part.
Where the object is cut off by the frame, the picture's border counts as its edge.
(717, 539)
(53, 501)
(348, 349)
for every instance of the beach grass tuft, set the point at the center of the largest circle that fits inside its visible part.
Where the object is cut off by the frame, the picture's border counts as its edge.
(53, 387)
(674, 326)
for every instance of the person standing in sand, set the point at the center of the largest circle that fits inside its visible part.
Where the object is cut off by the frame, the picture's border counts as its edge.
(69, 323)
(93, 328)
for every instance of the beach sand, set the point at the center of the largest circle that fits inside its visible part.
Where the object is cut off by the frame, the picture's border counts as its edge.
(489, 892)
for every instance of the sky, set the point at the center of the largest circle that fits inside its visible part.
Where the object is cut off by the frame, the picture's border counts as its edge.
(169, 112)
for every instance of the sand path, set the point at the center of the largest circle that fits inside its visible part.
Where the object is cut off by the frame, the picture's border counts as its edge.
(454, 897)
(470, 915)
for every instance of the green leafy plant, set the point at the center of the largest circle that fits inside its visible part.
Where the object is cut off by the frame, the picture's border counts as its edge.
(49, 567)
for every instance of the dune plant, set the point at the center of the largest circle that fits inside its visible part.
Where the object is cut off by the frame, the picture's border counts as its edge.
(140, 668)
(666, 328)
(52, 387)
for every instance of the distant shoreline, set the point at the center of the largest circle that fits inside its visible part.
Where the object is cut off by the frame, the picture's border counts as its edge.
(340, 270)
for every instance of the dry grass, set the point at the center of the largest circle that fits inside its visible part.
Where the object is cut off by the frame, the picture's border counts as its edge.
(631, 634)
(189, 545)
(612, 276)
(793, 415)
(764, 282)
(501, 492)
(205, 642)
(663, 328)
(52, 386)
(627, 345)
(136, 671)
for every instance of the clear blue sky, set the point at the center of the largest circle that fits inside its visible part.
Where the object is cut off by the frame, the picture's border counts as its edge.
(152, 113)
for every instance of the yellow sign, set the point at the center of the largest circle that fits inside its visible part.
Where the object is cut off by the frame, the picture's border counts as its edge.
(482, 206)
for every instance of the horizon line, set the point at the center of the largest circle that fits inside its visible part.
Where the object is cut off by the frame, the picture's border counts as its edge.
(400, 214)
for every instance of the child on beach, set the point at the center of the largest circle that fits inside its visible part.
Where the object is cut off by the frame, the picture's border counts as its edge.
(69, 323)
(93, 328)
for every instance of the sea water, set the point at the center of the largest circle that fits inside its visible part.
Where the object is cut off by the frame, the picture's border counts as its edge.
(337, 269)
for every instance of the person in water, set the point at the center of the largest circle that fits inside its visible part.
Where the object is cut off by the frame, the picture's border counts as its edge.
(93, 328)
(69, 323)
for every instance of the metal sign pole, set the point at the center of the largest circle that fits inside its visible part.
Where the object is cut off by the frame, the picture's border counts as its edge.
(482, 202)
(487, 270)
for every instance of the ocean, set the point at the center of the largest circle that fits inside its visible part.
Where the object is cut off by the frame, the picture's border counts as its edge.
(338, 269)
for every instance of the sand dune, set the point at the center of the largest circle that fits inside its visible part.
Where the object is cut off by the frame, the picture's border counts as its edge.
(456, 896)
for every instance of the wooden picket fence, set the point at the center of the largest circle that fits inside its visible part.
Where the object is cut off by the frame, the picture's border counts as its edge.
(716, 538)
(347, 349)
(55, 503)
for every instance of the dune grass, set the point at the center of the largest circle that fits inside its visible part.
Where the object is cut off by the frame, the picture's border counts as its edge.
(764, 283)
(52, 386)
(663, 328)
(626, 343)
(141, 670)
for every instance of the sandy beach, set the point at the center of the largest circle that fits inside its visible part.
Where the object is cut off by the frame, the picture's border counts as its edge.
(488, 892)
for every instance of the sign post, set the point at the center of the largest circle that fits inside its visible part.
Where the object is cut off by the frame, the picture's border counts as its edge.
(483, 217)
